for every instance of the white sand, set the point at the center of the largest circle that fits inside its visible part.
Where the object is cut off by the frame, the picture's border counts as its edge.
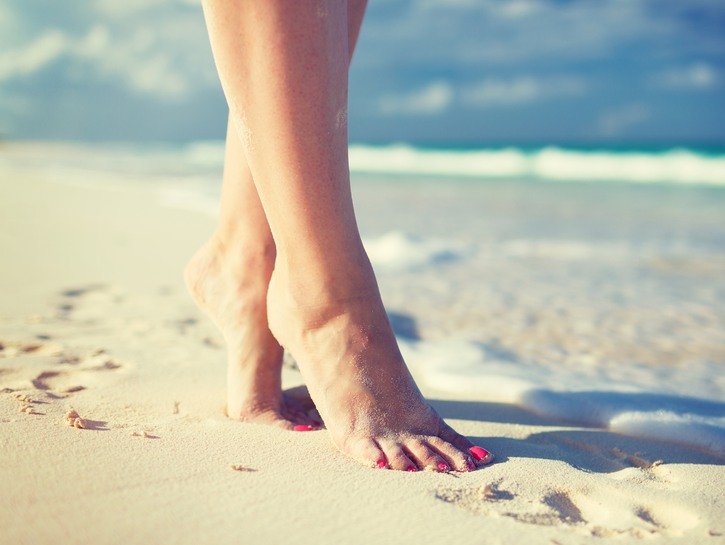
(94, 317)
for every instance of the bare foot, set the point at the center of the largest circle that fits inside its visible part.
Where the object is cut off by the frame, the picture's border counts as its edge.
(229, 283)
(359, 382)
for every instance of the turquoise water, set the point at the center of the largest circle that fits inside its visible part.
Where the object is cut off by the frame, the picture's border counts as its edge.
(666, 164)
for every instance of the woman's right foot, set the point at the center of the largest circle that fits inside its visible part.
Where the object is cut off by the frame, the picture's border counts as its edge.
(229, 283)
(349, 358)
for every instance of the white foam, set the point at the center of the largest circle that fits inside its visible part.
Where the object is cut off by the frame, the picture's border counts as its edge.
(677, 166)
(565, 250)
(188, 198)
(687, 408)
(550, 163)
(705, 432)
(205, 153)
(399, 251)
(405, 159)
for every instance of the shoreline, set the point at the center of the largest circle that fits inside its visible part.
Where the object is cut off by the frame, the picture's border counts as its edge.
(94, 317)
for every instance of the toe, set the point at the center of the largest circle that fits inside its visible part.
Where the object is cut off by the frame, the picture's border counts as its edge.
(303, 412)
(302, 419)
(396, 455)
(454, 438)
(293, 413)
(481, 455)
(367, 452)
(303, 427)
(425, 456)
(454, 457)
(478, 454)
(270, 418)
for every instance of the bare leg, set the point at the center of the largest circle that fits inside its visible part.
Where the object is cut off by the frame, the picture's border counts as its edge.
(283, 66)
(228, 278)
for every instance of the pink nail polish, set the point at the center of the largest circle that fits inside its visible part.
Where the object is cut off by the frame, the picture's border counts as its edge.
(478, 453)
(303, 427)
(382, 464)
(411, 469)
(443, 467)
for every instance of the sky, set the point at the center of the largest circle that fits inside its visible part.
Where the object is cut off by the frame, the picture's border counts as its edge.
(425, 71)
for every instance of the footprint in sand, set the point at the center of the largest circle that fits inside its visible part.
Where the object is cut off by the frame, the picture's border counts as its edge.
(76, 378)
(184, 324)
(87, 304)
(9, 349)
(607, 513)
(49, 367)
(57, 381)
(73, 293)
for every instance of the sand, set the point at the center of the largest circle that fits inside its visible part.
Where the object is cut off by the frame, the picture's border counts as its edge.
(113, 432)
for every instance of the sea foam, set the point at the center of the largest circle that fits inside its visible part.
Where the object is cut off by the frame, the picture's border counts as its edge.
(550, 163)
(663, 402)
(400, 251)
(206, 158)
(686, 408)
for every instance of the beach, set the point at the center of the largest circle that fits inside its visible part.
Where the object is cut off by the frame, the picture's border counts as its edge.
(576, 330)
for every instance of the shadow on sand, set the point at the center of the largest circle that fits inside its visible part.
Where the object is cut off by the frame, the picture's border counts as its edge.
(592, 449)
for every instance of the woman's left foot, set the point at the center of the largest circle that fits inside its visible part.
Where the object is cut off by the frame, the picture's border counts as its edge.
(228, 281)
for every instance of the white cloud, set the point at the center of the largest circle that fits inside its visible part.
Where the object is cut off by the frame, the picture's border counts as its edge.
(437, 96)
(516, 9)
(9, 25)
(51, 46)
(699, 75)
(520, 90)
(168, 61)
(432, 99)
(501, 32)
(439, 54)
(157, 75)
(137, 59)
(36, 55)
(445, 4)
(507, 8)
(616, 122)
(127, 8)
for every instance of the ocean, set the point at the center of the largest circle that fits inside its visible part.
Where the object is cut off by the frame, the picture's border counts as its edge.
(584, 284)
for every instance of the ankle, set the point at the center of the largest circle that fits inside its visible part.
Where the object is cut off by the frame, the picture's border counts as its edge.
(316, 293)
(242, 253)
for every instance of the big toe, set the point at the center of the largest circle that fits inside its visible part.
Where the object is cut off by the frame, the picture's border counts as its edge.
(277, 418)
(478, 454)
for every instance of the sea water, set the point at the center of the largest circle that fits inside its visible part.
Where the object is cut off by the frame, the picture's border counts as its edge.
(586, 285)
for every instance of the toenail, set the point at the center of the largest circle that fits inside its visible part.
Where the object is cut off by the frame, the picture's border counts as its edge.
(443, 467)
(411, 468)
(479, 453)
(381, 464)
(303, 427)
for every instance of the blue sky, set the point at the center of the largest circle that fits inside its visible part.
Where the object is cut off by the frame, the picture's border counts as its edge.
(429, 71)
